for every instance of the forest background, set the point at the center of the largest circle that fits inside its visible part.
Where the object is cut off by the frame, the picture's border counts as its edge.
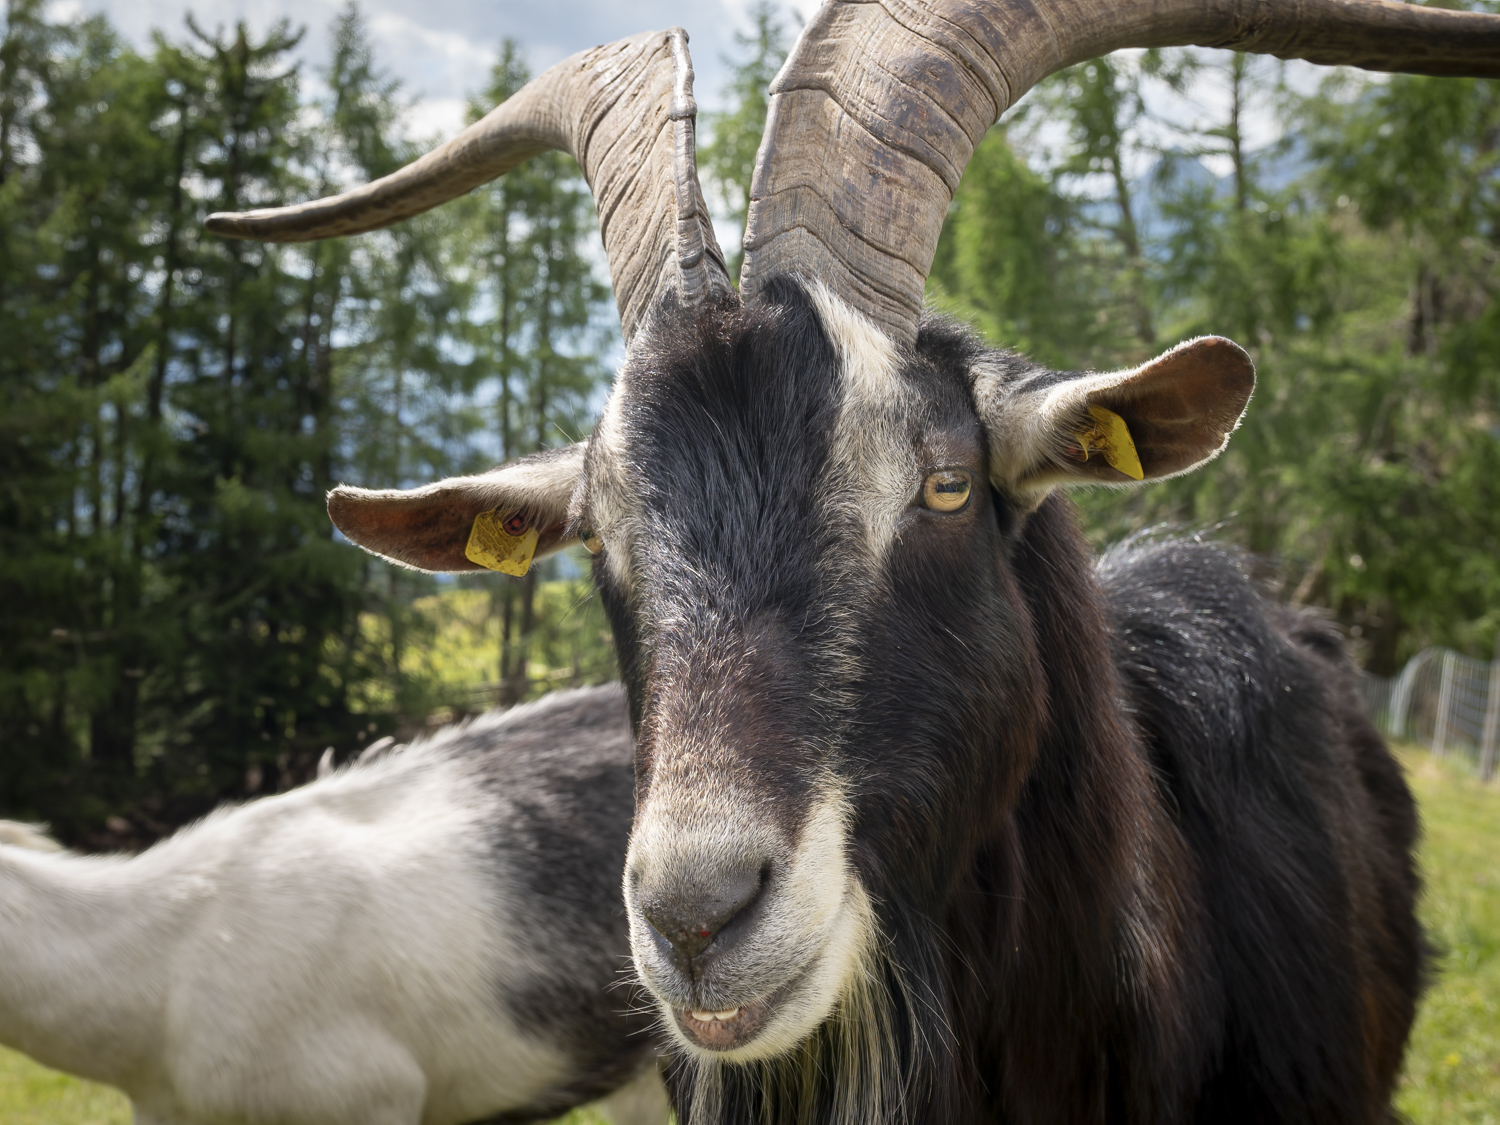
(179, 624)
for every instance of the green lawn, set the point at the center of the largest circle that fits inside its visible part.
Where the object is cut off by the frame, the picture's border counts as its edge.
(1453, 1068)
(33, 1095)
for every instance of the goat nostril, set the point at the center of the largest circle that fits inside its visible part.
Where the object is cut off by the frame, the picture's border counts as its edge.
(690, 911)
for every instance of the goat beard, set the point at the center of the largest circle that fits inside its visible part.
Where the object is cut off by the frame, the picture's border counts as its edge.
(873, 1060)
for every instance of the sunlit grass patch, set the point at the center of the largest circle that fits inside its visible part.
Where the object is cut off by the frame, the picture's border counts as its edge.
(1453, 1065)
(33, 1095)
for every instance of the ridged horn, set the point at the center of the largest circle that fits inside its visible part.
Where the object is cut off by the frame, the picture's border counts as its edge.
(880, 105)
(624, 111)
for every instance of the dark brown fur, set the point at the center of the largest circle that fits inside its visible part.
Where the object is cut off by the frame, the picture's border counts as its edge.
(1136, 855)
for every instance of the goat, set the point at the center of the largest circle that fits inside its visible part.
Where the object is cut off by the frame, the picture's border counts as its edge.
(431, 936)
(934, 821)
(32, 836)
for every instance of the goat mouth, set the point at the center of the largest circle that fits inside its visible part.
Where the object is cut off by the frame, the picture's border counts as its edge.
(729, 1028)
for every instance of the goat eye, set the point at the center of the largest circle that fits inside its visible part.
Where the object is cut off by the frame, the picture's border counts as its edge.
(592, 541)
(946, 490)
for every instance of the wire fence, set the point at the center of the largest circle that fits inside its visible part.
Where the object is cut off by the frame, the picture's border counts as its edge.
(1446, 700)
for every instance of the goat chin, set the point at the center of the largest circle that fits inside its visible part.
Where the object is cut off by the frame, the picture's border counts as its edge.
(391, 944)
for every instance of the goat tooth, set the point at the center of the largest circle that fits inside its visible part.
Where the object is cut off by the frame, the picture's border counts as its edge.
(703, 1016)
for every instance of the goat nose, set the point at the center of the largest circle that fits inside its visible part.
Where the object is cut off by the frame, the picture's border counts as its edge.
(691, 912)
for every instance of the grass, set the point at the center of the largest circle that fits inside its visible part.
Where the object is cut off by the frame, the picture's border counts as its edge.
(33, 1095)
(1453, 1065)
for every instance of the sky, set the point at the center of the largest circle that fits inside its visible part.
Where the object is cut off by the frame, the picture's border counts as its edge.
(443, 49)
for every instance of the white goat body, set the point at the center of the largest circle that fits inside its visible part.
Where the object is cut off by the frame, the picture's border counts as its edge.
(431, 936)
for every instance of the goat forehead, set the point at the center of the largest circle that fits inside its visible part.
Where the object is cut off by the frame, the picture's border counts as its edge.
(755, 452)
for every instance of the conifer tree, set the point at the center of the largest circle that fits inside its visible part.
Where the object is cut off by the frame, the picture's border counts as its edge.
(728, 158)
(1009, 259)
(536, 327)
(178, 623)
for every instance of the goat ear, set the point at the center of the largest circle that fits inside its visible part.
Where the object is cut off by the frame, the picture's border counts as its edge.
(429, 528)
(1158, 420)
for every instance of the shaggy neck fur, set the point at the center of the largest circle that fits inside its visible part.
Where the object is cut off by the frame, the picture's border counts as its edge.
(1088, 938)
(1067, 916)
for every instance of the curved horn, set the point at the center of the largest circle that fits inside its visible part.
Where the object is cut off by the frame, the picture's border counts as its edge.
(624, 111)
(877, 111)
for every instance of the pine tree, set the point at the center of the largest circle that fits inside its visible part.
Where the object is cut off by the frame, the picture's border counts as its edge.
(82, 173)
(389, 297)
(728, 159)
(1009, 259)
(1101, 101)
(179, 623)
(536, 332)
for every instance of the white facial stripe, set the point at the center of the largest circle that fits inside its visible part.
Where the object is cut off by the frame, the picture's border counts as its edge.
(874, 468)
(871, 368)
(615, 512)
(874, 472)
(816, 924)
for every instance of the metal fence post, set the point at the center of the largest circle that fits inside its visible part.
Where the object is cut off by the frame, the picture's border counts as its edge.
(1401, 693)
(1445, 701)
(1491, 718)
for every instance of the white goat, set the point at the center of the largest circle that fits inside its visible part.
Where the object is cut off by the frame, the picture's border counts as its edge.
(431, 936)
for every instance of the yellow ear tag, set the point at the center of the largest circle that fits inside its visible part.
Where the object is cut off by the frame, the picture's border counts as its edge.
(494, 548)
(1111, 437)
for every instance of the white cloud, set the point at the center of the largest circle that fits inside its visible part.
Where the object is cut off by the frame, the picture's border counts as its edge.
(436, 117)
(442, 49)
